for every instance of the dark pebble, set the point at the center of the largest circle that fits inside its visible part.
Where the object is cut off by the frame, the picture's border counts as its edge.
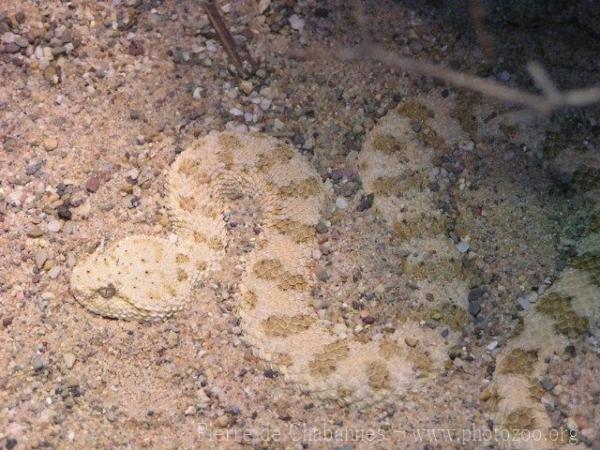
(397, 97)
(547, 383)
(357, 306)
(476, 294)
(321, 12)
(347, 189)
(7, 321)
(322, 275)
(368, 320)
(321, 228)
(10, 443)
(93, 184)
(474, 308)
(270, 373)
(134, 201)
(64, 212)
(10, 48)
(33, 167)
(38, 363)
(298, 139)
(135, 48)
(366, 202)
(433, 324)
(337, 175)
(570, 350)
(61, 188)
(10, 144)
(455, 352)
(234, 411)
(68, 391)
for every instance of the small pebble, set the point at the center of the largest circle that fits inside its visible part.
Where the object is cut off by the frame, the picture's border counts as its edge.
(547, 384)
(69, 359)
(93, 184)
(54, 272)
(410, 341)
(368, 320)
(246, 87)
(341, 203)
(64, 212)
(270, 373)
(504, 76)
(463, 246)
(133, 174)
(54, 226)
(223, 421)
(474, 308)
(33, 167)
(202, 399)
(172, 339)
(321, 227)
(322, 275)
(35, 232)
(366, 202)
(296, 22)
(50, 144)
(524, 303)
(492, 345)
(41, 256)
(38, 363)
(475, 294)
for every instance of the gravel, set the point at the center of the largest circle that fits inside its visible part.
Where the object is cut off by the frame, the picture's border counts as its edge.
(463, 246)
(69, 359)
(50, 144)
(341, 203)
(296, 22)
(54, 226)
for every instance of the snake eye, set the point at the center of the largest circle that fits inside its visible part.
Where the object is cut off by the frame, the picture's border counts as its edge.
(107, 291)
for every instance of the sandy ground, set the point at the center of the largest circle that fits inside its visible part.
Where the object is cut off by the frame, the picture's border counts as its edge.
(97, 98)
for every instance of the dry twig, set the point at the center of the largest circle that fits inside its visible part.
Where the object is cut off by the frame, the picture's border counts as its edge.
(478, 13)
(546, 103)
(226, 39)
(550, 100)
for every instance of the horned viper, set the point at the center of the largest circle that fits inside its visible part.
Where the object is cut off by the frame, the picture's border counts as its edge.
(148, 277)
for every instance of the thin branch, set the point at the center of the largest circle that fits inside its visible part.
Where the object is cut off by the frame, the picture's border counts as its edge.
(478, 13)
(542, 80)
(545, 103)
(226, 39)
